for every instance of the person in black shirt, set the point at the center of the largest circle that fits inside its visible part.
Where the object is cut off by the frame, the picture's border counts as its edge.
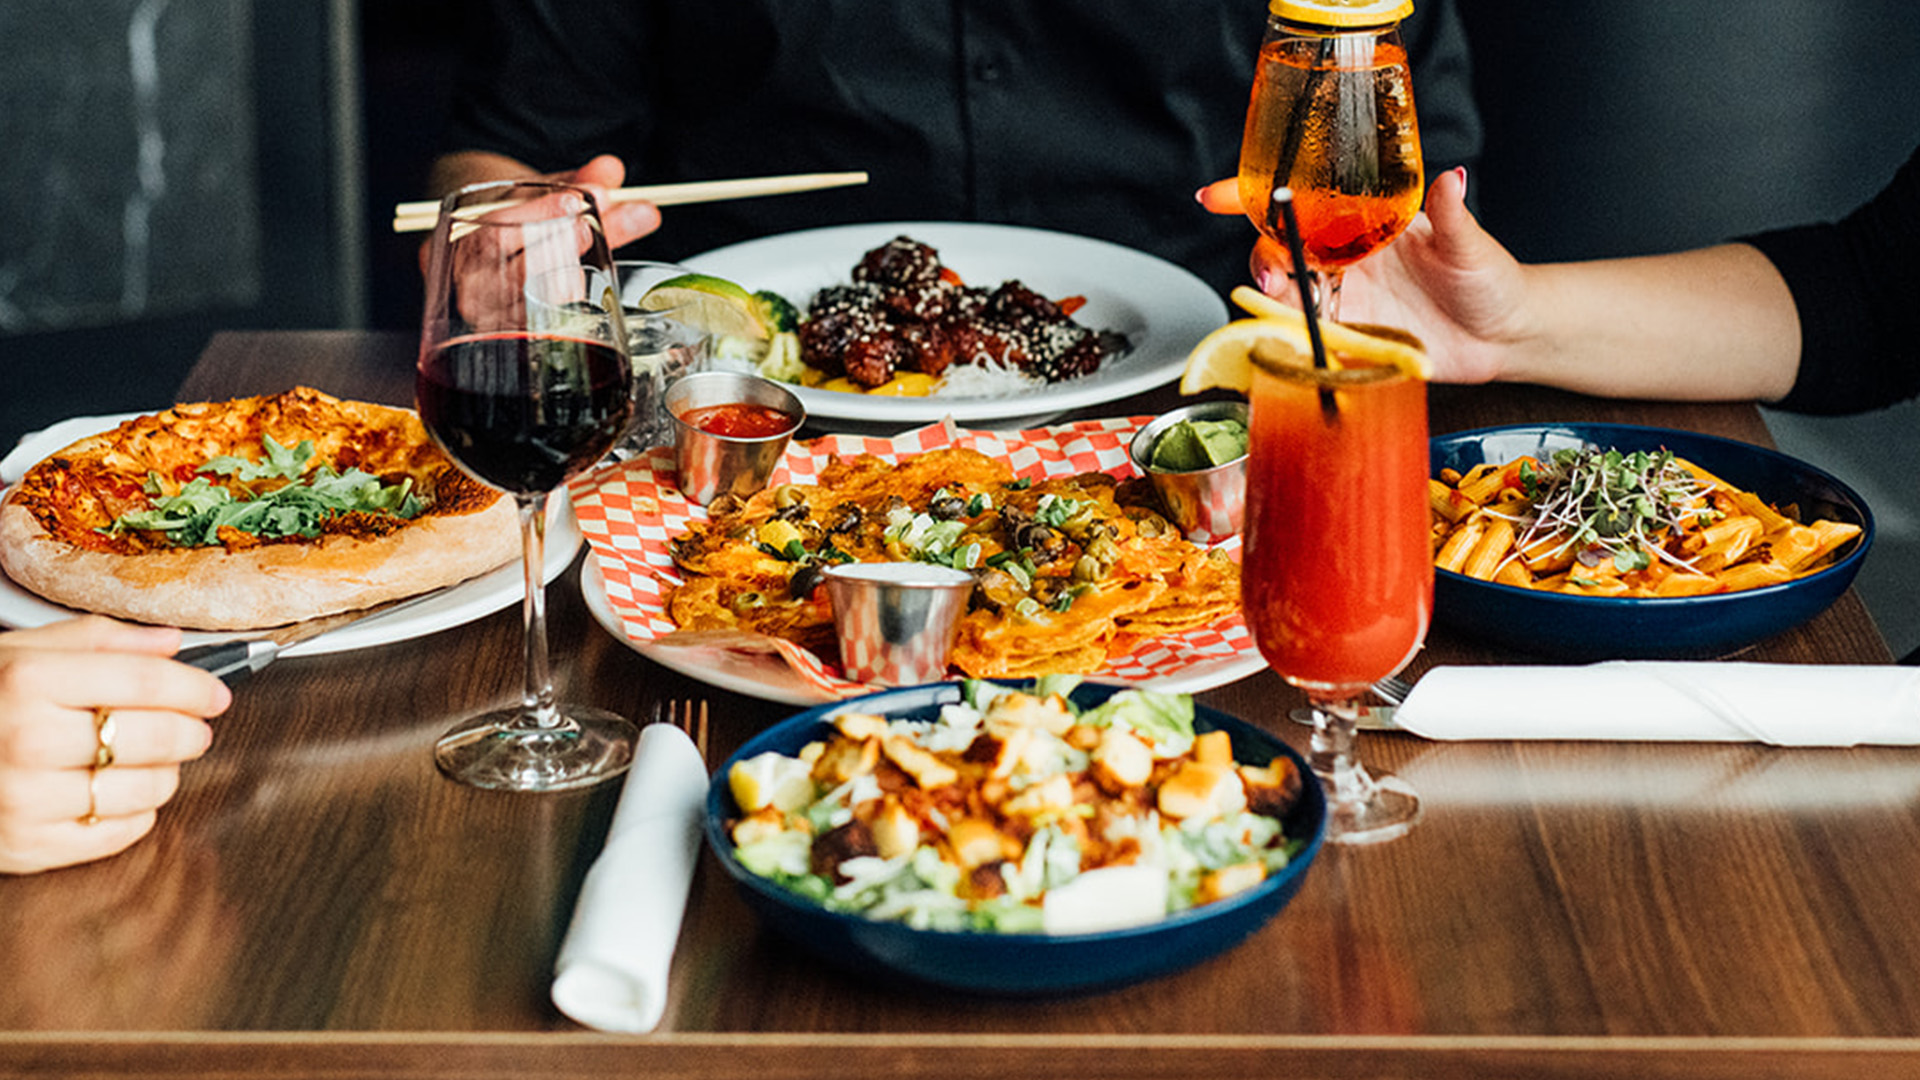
(1092, 118)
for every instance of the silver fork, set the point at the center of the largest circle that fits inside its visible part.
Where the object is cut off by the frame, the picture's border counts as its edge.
(690, 717)
(1393, 690)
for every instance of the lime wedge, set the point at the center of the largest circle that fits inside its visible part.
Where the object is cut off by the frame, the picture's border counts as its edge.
(716, 305)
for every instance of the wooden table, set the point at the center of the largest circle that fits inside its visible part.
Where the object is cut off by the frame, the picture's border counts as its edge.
(318, 900)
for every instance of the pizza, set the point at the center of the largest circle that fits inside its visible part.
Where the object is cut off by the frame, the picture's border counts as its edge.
(251, 513)
(1070, 572)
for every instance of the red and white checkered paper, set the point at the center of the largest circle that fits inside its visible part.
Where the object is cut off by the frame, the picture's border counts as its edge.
(629, 511)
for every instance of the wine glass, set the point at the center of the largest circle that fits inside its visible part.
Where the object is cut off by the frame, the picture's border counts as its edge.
(1331, 116)
(1337, 571)
(521, 402)
(664, 343)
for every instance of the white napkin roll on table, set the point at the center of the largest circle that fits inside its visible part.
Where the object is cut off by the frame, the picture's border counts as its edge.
(1782, 704)
(611, 973)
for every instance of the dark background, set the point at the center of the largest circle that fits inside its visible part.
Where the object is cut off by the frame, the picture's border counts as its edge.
(290, 129)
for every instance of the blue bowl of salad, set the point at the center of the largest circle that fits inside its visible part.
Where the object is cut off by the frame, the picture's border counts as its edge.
(895, 917)
(1582, 628)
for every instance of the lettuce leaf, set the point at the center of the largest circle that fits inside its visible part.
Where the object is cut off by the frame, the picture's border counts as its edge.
(1160, 717)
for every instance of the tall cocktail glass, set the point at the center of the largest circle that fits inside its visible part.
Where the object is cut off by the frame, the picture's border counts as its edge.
(1337, 572)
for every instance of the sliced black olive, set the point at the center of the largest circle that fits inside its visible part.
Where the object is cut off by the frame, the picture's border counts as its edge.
(846, 518)
(1038, 538)
(803, 581)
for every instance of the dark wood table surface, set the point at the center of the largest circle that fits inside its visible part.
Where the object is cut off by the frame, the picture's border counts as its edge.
(319, 901)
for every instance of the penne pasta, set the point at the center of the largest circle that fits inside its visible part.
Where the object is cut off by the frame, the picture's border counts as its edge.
(1652, 525)
(1495, 543)
(1453, 554)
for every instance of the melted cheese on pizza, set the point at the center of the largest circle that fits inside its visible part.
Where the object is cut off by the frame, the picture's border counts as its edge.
(79, 493)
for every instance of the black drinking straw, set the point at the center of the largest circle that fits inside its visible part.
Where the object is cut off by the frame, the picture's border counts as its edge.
(1297, 123)
(1283, 200)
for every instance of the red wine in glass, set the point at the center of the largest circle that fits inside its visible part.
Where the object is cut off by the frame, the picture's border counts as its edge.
(524, 411)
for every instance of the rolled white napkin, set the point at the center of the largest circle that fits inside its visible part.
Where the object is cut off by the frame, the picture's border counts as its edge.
(1782, 704)
(611, 973)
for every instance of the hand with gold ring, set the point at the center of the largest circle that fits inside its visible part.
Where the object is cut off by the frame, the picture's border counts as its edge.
(95, 721)
(103, 732)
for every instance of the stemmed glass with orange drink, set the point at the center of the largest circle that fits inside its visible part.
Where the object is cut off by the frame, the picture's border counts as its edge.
(1331, 117)
(1337, 562)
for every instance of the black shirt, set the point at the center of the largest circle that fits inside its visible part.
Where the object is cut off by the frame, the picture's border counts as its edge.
(1094, 118)
(1856, 285)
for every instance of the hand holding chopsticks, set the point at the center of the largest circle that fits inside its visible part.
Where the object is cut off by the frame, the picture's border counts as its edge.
(420, 216)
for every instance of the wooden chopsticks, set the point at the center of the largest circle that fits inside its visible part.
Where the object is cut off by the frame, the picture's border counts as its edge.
(421, 216)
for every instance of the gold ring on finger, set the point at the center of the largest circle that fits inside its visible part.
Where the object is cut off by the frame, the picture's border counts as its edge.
(92, 816)
(103, 732)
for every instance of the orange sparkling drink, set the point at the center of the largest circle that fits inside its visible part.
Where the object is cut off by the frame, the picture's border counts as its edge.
(1332, 118)
(1337, 572)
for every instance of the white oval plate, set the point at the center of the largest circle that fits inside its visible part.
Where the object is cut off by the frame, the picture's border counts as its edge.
(766, 676)
(1163, 309)
(463, 603)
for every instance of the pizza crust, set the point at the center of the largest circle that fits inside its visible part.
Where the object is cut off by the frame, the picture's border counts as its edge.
(216, 589)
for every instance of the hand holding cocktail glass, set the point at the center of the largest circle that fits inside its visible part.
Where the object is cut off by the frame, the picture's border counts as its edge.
(1331, 117)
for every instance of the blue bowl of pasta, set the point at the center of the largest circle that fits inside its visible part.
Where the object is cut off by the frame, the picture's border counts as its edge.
(1008, 963)
(1572, 625)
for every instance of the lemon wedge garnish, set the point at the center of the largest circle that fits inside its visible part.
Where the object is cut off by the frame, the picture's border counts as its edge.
(1277, 338)
(771, 779)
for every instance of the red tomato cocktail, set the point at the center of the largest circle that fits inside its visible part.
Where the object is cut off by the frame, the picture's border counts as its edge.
(1338, 575)
(1337, 572)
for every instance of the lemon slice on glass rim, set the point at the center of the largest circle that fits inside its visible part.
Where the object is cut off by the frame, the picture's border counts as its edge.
(1341, 13)
(1276, 339)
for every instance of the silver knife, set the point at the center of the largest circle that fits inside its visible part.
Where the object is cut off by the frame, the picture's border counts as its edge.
(235, 660)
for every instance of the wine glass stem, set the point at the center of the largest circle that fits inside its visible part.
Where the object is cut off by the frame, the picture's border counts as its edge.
(1331, 747)
(537, 702)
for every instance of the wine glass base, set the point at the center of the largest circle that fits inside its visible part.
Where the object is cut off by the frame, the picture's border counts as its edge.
(1390, 808)
(504, 751)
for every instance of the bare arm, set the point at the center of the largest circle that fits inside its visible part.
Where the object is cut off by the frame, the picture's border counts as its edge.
(453, 171)
(1711, 324)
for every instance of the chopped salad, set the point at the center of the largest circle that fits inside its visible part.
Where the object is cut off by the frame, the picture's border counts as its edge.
(1016, 811)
